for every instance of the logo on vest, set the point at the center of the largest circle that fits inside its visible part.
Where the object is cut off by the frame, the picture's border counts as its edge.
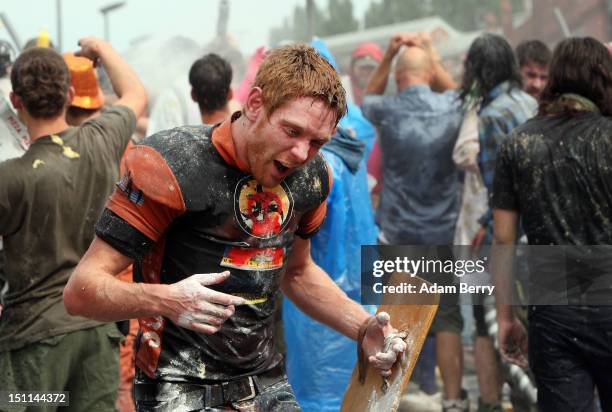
(262, 212)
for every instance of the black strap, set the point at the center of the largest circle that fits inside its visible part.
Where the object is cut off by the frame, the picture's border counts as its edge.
(362, 362)
(199, 396)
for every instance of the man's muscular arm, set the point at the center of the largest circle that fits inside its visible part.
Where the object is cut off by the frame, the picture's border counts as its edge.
(511, 333)
(306, 284)
(313, 291)
(123, 78)
(94, 292)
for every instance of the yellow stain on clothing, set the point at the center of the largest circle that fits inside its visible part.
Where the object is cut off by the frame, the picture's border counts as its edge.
(252, 299)
(66, 150)
(37, 163)
(69, 153)
(255, 301)
(57, 140)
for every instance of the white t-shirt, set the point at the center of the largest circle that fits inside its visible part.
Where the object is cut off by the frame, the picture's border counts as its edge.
(174, 107)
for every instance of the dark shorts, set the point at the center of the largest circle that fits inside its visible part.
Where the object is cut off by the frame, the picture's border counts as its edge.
(570, 354)
(84, 363)
(448, 317)
(479, 321)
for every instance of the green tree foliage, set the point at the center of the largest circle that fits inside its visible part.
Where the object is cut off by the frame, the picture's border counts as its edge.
(383, 12)
(337, 18)
(461, 14)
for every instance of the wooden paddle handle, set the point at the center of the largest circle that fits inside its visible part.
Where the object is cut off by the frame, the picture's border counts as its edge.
(361, 358)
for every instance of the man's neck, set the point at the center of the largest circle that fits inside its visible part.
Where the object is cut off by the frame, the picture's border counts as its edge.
(38, 128)
(77, 121)
(410, 81)
(240, 129)
(215, 117)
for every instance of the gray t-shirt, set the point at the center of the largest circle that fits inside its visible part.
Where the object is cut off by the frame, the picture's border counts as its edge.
(417, 129)
(50, 199)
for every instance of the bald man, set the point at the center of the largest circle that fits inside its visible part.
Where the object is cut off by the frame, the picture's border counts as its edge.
(419, 202)
(414, 66)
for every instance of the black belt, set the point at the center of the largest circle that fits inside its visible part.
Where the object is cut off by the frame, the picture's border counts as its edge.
(199, 396)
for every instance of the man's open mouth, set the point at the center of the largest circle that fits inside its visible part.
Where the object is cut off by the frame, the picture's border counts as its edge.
(282, 169)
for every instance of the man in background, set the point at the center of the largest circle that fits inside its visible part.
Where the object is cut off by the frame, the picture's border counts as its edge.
(87, 105)
(533, 58)
(49, 200)
(491, 77)
(210, 78)
(553, 174)
(419, 202)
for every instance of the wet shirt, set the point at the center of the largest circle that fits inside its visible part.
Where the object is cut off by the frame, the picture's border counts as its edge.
(503, 109)
(556, 171)
(50, 199)
(417, 129)
(188, 205)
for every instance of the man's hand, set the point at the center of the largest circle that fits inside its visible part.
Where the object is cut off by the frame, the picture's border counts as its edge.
(90, 48)
(192, 305)
(378, 80)
(424, 41)
(513, 342)
(380, 355)
(401, 39)
(395, 43)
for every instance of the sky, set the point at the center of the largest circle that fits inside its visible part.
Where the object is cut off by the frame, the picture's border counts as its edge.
(249, 22)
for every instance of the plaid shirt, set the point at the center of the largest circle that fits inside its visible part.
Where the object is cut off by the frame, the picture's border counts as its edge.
(503, 109)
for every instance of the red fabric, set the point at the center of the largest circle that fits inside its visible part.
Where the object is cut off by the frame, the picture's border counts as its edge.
(146, 170)
(368, 49)
(152, 328)
(245, 86)
(122, 165)
(224, 143)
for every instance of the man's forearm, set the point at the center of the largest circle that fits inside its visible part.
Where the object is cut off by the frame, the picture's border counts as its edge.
(502, 261)
(442, 80)
(504, 312)
(93, 290)
(503, 278)
(378, 81)
(122, 77)
(319, 297)
(124, 80)
(105, 298)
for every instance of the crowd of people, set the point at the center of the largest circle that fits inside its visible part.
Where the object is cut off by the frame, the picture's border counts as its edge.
(147, 246)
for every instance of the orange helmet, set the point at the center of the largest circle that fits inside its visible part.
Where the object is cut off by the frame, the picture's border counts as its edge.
(87, 93)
